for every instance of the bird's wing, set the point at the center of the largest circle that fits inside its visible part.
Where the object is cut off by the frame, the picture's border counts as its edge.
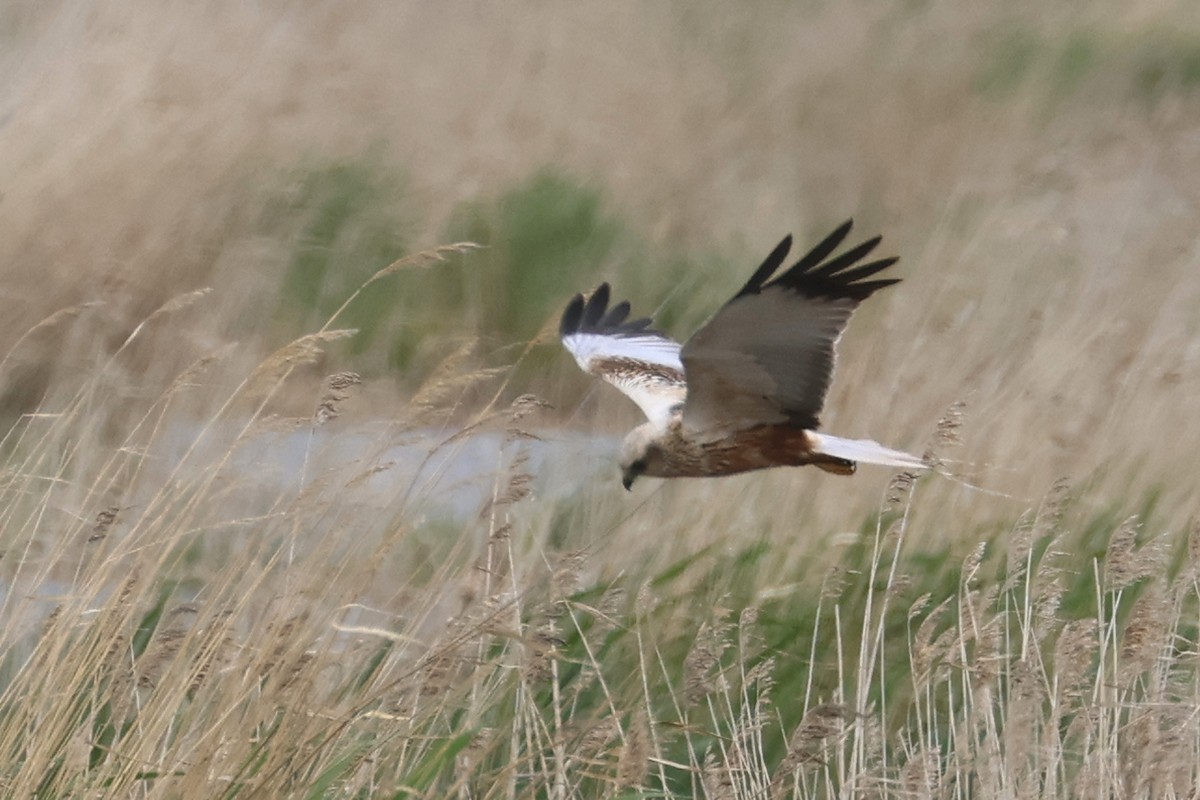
(767, 355)
(641, 362)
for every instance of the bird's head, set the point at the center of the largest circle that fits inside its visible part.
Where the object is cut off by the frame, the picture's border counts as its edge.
(640, 455)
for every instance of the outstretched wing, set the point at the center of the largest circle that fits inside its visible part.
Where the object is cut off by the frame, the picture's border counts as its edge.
(641, 362)
(767, 356)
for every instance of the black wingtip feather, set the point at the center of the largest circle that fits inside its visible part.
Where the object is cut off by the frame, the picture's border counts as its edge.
(868, 288)
(838, 277)
(851, 256)
(830, 243)
(869, 269)
(572, 316)
(593, 312)
(593, 316)
(616, 315)
(768, 267)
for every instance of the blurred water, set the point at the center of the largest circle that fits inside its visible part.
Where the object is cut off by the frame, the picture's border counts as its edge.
(440, 472)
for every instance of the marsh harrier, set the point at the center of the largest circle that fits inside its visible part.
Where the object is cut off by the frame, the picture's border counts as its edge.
(746, 391)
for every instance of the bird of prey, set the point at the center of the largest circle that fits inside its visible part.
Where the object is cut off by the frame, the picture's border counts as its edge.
(746, 390)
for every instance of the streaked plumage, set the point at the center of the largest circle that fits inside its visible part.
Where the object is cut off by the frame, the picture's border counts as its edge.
(745, 392)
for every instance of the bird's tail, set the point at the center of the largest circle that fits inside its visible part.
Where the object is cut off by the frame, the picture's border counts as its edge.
(864, 451)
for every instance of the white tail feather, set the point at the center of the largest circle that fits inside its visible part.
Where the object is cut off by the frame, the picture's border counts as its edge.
(864, 451)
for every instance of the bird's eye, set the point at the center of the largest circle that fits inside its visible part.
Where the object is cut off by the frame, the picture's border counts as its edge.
(638, 467)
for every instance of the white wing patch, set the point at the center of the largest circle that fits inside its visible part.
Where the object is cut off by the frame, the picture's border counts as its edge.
(642, 363)
(652, 349)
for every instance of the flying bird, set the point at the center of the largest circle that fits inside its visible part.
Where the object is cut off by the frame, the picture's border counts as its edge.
(746, 391)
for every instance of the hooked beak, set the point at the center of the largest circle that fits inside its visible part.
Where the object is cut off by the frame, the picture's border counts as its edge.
(627, 480)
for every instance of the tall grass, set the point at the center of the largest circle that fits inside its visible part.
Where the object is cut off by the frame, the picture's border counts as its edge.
(182, 622)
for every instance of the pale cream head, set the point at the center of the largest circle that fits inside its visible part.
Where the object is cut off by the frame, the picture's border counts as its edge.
(641, 454)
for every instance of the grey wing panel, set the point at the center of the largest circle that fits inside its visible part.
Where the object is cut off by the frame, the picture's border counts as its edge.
(766, 357)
